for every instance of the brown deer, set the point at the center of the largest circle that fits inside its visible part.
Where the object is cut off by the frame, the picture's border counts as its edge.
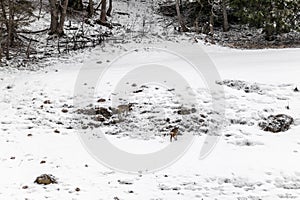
(173, 134)
(123, 110)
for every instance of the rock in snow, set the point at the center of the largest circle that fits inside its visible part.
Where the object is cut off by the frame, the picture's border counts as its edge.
(45, 179)
(277, 123)
(242, 85)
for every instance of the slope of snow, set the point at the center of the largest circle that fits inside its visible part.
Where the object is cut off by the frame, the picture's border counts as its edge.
(247, 163)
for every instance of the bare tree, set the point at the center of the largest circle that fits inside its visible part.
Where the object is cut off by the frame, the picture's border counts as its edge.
(54, 16)
(211, 17)
(63, 14)
(10, 31)
(90, 8)
(109, 8)
(103, 15)
(1, 28)
(58, 15)
(7, 9)
(183, 28)
(103, 12)
(225, 17)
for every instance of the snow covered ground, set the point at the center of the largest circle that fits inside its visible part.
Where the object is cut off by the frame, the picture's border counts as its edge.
(36, 137)
(39, 122)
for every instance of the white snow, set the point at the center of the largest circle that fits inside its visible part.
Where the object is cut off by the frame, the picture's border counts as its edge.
(247, 163)
(263, 170)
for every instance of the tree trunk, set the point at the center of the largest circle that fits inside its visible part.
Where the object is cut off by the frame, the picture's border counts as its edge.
(54, 16)
(225, 17)
(211, 18)
(8, 20)
(269, 27)
(103, 12)
(60, 30)
(211, 24)
(197, 26)
(4, 16)
(183, 28)
(58, 15)
(103, 21)
(109, 8)
(269, 31)
(11, 30)
(90, 8)
(1, 27)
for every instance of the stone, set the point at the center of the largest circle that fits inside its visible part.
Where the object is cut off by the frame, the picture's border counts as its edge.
(276, 123)
(104, 112)
(101, 100)
(45, 179)
(186, 111)
(242, 85)
(47, 102)
(64, 110)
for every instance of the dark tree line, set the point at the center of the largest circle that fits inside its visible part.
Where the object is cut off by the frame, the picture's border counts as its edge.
(273, 16)
(13, 15)
(58, 9)
(16, 13)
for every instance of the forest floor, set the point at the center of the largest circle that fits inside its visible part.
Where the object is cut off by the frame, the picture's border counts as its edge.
(135, 21)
